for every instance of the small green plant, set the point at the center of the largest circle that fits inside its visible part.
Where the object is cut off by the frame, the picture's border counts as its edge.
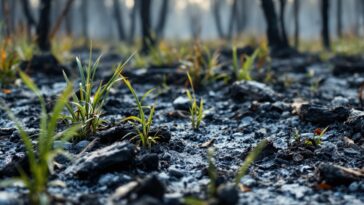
(8, 61)
(296, 135)
(193, 63)
(25, 49)
(157, 56)
(210, 64)
(162, 54)
(61, 48)
(41, 159)
(252, 156)
(213, 174)
(318, 133)
(139, 61)
(196, 111)
(317, 138)
(315, 85)
(201, 64)
(211, 187)
(163, 88)
(145, 123)
(86, 105)
(315, 81)
(244, 72)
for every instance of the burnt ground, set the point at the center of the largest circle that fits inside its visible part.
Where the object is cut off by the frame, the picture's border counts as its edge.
(301, 95)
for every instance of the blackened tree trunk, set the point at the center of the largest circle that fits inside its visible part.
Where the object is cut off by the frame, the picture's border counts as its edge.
(195, 25)
(147, 35)
(162, 18)
(339, 18)
(119, 20)
(233, 18)
(43, 27)
(296, 13)
(31, 23)
(236, 21)
(216, 5)
(84, 18)
(282, 8)
(6, 15)
(273, 33)
(325, 32)
(12, 15)
(28, 13)
(56, 10)
(133, 18)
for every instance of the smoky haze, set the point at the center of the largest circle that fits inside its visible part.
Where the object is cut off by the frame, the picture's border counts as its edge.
(184, 15)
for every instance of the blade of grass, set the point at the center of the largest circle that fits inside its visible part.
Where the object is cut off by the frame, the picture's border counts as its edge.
(249, 160)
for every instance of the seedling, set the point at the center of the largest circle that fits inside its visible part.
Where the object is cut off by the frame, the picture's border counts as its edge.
(158, 56)
(41, 159)
(296, 135)
(143, 130)
(202, 64)
(212, 172)
(313, 141)
(61, 48)
(317, 138)
(244, 72)
(195, 64)
(139, 61)
(315, 85)
(213, 175)
(211, 187)
(252, 156)
(8, 62)
(196, 111)
(210, 64)
(315, 82)
(86, 107)
(25, 49)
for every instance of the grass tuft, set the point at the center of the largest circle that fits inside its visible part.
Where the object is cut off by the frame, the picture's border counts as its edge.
(86, 105)
(247, 64)
(8, 62)
(41, 159)
(213, 173)
(145, 123)
(196, 110)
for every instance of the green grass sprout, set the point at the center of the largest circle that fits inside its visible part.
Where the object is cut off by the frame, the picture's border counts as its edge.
(143, 131)
(252, 156)
(196, 111)
(41, 159)
(86, 105)
(244, 72)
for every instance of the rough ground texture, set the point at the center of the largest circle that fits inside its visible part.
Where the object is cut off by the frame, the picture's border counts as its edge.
(287, 109)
